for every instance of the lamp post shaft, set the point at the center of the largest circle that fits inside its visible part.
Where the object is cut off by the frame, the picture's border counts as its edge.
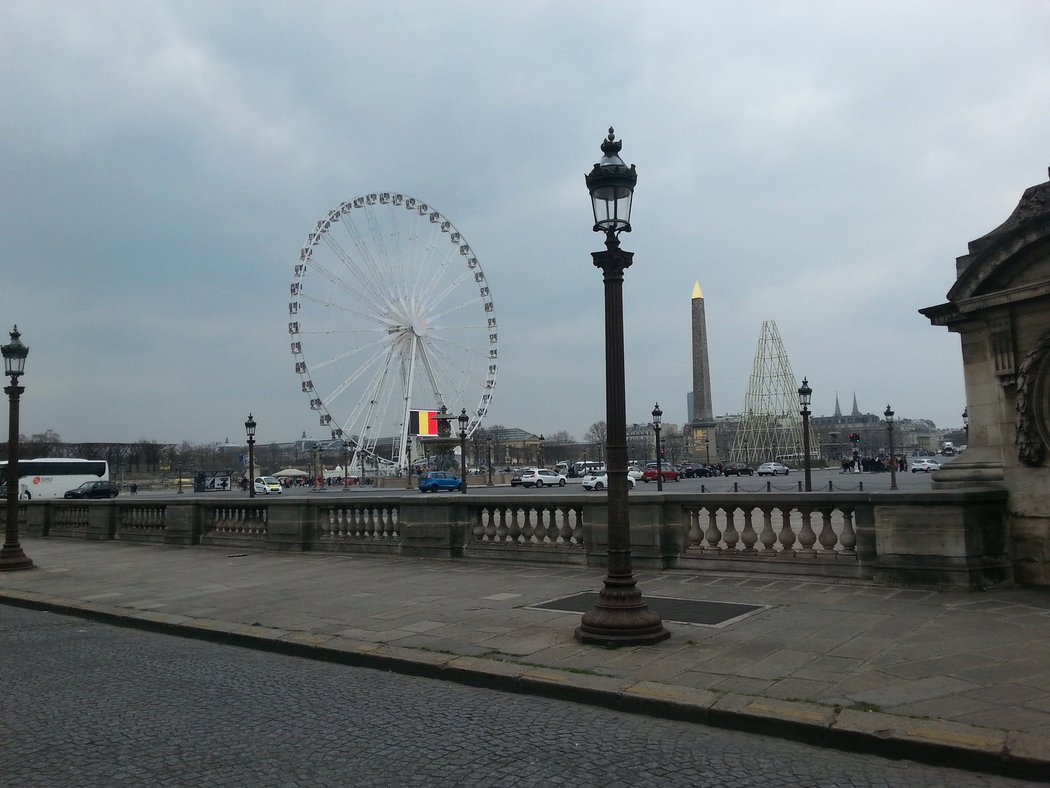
(805, 449)
(620, 616)
(659, 466)
(251, 467)
(11, 554)
(893, 460)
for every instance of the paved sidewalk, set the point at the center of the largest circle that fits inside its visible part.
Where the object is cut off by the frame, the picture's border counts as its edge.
(945, 677)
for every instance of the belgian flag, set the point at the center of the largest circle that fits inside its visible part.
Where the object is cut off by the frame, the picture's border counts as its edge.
(422, 422)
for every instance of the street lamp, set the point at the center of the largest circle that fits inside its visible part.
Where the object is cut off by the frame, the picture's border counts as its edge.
(805, 395)
(966, 421)
(620, 616)
(249, 428)
(488, 457)
(540, 450)
(463, 420)
(11, 555)
(657, 415)
(889, 429)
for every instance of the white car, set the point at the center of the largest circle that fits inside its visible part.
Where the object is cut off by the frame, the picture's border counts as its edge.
(634, 473)
(772, 469)
(924, 465)
(599, 481)
(541, 477)
(267, 485)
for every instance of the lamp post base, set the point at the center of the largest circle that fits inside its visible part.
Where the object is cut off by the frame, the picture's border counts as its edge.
(620, 617)
(12, 558)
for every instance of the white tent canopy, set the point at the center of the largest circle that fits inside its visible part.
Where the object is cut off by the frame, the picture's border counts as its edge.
(289, 472)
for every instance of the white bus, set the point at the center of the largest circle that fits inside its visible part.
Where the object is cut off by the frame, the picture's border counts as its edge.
(50, 477)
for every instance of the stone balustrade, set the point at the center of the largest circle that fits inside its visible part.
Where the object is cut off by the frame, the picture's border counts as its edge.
(952, 538)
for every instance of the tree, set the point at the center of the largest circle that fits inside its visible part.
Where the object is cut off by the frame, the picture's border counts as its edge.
(597, 435)
(497, 432)
(561, 437)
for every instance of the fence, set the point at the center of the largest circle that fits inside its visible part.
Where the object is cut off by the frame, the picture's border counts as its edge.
(952, 538)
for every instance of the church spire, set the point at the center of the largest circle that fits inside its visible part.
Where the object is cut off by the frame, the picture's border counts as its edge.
(838, 409)
(856, 410)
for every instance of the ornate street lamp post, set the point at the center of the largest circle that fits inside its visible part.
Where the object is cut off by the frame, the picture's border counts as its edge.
(888, 414)
(657, 415)
(463, 420)
(805, 395)
(966, 421)
(488, 457)
(620, 616)
(249, 428)
(540, 450)
(11, 555)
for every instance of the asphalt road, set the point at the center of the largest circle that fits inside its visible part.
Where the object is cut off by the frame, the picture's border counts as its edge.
(840, 482)
(87, 704)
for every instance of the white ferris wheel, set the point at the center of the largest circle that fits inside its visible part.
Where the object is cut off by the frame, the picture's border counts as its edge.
(390, 312)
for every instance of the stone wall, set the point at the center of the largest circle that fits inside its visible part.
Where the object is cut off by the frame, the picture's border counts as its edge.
(1000, 307)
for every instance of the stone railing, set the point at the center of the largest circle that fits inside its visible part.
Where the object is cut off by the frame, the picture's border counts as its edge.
(952, 538)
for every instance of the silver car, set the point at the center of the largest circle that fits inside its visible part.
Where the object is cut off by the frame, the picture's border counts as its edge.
(541, 477)
(772, 469)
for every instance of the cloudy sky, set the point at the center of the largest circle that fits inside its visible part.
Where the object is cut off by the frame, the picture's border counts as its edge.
(818, 164)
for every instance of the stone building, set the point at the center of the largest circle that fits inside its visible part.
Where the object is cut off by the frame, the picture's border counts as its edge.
(1000, 307)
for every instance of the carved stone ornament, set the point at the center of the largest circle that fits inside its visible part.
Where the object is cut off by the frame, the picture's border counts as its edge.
(1033, 404)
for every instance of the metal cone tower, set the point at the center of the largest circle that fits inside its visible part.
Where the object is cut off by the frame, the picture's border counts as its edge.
(770, 426)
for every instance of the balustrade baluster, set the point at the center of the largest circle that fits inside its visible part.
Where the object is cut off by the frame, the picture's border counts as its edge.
(827, 533)
(787, 533)
(806, 537)
(528, 528)
(848, 539)
(543, 515)
(768, 537)
(731, 535)
(712, 534)
(517, 515)
(503, 529)
(693, 520)
(495, 519)
(748, 536)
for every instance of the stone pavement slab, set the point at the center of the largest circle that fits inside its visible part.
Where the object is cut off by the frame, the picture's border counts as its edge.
(955, 677)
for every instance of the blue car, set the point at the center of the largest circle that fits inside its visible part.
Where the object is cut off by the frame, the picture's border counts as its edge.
(439, 480)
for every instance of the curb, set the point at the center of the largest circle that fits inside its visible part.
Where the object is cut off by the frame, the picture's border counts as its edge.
(940, 743)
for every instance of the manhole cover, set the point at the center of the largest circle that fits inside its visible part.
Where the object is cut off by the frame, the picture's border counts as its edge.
(682, 611)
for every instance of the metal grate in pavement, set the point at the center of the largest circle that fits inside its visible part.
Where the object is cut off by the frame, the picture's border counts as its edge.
(681, 611)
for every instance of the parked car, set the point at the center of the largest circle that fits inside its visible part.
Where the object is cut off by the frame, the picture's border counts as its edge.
(737, 469)
(541, 477)
(633, 472)
(772, 469)
(267, 485)
(515, 478)
(599, 481)
(435, 481)
(94, 490)
(924, 465)
(668, 474)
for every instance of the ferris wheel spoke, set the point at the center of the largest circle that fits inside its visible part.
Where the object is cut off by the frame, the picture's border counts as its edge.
(368, 290)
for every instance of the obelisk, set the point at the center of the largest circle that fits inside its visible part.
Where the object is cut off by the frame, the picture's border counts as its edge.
(702, 424)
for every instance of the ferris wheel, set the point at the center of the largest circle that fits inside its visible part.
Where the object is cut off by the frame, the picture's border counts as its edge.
(390, 313)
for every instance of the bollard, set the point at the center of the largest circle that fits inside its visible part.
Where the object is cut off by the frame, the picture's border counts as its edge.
(800, 486)
(769, 486)
(831, 486)
(736, 487)
(860, 486)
